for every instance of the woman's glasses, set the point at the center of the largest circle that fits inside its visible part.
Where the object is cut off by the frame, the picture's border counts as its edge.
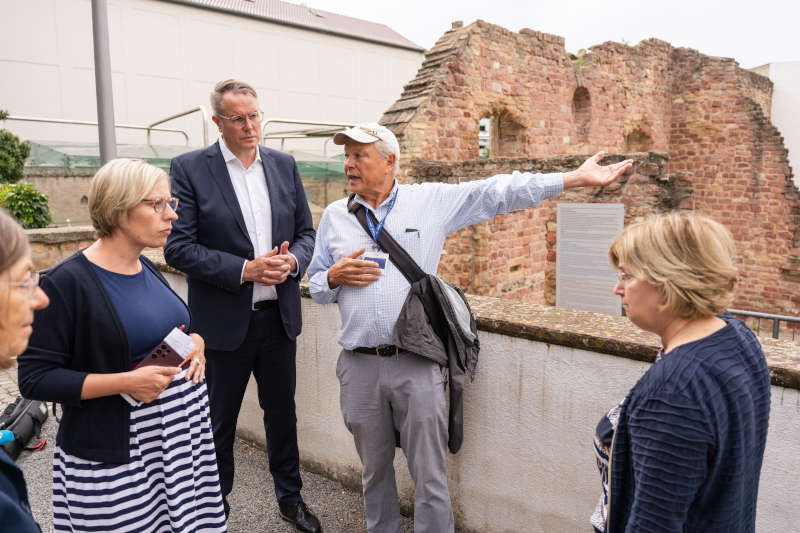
(161, 203)
(29, 284)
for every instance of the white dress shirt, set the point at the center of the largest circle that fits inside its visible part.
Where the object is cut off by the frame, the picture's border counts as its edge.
(250, 185)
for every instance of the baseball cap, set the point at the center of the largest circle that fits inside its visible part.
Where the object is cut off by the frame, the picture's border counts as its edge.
(367, 133)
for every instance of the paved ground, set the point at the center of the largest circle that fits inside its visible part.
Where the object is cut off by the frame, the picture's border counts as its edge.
(252, 502)
(8, 385)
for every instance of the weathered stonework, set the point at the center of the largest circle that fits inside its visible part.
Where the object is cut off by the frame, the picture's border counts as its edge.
(67, 191)
(50, 246)
(706, 117)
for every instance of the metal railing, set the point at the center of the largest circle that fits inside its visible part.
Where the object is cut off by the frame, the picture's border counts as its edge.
(776, 321)
(203, 114)
(91, 123)
(322, 129)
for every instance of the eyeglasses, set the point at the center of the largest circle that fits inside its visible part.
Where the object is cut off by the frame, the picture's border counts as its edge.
(239, 120)
(29, 284)
(160, 203)
(624, 277)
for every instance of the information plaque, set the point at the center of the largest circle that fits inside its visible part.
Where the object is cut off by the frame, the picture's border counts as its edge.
(584, 277)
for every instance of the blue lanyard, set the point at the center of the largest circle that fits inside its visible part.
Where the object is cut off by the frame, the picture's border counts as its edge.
(376, 233)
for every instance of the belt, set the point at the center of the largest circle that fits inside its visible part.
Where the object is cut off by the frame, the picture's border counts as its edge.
(263, 304)
(384, 350)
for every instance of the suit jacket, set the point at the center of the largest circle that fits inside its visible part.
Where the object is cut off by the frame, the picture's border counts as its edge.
(209, 242)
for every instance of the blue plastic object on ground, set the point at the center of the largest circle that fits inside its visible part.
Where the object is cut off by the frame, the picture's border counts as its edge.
(6, 436)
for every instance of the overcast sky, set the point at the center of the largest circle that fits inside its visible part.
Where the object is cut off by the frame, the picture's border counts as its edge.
(753, 32)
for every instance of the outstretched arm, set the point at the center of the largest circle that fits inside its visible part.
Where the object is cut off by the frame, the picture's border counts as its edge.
(591, 174)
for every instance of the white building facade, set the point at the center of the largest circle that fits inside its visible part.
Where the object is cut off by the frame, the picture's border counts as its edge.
(166, 56)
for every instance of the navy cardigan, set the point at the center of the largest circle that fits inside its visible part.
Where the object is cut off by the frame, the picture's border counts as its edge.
(687, 452)
(80, 333)
(15, 511)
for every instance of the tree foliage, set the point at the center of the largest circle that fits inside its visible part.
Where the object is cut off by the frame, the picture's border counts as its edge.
(30, 207)
(13, 154)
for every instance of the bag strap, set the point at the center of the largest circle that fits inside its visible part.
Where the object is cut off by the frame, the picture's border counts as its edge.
(410, 269)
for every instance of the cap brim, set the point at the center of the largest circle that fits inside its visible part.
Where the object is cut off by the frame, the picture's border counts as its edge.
(355, 134)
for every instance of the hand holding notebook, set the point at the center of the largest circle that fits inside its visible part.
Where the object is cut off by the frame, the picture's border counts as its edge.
(171, 351)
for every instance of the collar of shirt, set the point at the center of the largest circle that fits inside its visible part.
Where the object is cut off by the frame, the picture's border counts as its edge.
(383, 204)
(229, 156)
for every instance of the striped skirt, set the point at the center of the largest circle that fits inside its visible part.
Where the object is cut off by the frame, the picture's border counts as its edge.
(170, 485)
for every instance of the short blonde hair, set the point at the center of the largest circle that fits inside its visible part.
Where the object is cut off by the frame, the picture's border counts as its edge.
(688, 256)
(117, 187)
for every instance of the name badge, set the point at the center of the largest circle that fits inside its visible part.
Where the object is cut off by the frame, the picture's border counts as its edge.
(378, 257)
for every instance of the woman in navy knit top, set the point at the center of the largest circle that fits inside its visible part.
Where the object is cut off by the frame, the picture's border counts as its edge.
(687, 442)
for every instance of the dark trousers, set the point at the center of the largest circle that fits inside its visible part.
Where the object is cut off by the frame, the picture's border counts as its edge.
(270, 355)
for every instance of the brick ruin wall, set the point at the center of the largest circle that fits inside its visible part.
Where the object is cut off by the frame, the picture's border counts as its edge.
(703, 121)
(721, 139)
(513, 256)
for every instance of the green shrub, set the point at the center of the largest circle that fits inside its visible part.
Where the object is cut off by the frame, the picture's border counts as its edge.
(27, 204)
(13, 154)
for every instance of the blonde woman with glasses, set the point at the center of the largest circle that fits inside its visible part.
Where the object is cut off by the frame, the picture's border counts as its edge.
(20, 296)
(134, 449)
(687, 442)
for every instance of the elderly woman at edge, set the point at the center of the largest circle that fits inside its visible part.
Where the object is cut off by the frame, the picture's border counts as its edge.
(687, 442)
(20, 296)
(134, 448)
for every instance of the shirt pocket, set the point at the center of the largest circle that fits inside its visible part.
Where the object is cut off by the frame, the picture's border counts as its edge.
(411, 241)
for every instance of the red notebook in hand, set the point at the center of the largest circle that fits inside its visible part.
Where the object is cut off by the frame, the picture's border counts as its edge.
(169, 352)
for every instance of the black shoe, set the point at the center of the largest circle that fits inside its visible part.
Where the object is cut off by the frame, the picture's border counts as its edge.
(300, 517)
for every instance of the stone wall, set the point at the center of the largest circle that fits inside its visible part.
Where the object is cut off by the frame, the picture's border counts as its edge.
(707, 114)
(534, 93)
(740, 175)
(67, 191)
(49, 246)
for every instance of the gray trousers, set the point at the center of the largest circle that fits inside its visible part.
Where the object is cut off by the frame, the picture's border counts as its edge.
(406, 392)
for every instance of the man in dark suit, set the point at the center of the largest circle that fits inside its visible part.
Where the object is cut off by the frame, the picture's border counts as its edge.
(244, 237)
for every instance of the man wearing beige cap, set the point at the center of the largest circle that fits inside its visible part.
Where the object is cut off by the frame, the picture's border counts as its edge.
(384, 389)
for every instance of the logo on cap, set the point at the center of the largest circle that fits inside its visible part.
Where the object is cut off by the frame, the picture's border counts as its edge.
(371, 131)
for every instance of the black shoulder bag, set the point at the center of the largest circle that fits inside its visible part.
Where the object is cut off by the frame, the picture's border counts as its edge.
(24, 418)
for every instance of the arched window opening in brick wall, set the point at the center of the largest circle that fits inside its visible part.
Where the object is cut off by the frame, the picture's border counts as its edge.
(638, 141)
(508, 137)
(581, 113)
(484, 137)
(500, 134)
